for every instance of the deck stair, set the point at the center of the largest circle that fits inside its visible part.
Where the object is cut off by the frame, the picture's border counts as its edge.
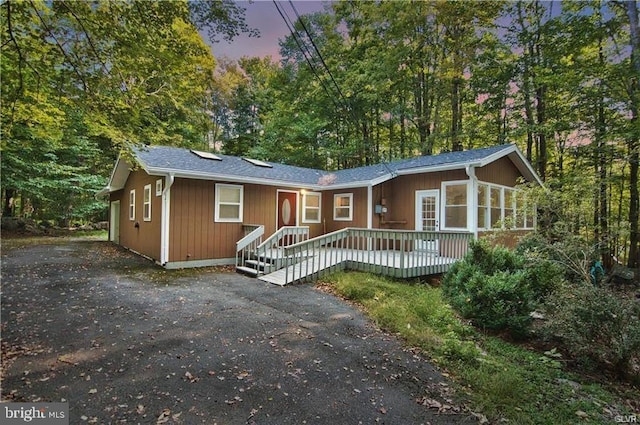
(256, 258)
(395, 253)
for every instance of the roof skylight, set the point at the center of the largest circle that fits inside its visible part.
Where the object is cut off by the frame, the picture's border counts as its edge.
(258, 163)
(206, 155)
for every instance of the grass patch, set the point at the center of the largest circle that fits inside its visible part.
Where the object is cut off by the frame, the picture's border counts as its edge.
(16, 241)
(499, 379)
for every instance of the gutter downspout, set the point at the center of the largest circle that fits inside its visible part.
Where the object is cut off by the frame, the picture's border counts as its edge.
(164, 223)
(472, 221)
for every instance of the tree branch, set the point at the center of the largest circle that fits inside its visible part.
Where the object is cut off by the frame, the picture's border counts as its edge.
(86, 33)
(60, 47)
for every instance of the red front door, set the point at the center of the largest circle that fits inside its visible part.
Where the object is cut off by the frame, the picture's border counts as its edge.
(287, 209)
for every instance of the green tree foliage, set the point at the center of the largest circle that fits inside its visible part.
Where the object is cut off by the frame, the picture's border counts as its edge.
(84, 80)
(423, 77)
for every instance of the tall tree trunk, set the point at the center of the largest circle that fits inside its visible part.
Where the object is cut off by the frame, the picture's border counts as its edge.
(7, 209)
(541, 139)
(527, 78)
(420, 102)
(403, 135)
(456, 118)
(634, 143)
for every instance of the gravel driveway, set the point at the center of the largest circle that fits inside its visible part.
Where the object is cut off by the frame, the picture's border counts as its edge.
(124, 341)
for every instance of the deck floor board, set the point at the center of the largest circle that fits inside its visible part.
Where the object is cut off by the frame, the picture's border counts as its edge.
(390, 263)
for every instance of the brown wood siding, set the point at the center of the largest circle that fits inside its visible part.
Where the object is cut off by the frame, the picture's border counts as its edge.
(144, 239)
(194, 235)
(359, 209)
(502, 172)
(400, 196)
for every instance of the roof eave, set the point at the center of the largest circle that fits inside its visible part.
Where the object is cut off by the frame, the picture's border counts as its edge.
(435, 169)
(158, 171)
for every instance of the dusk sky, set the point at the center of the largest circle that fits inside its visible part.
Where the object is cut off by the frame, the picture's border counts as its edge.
(263, 15)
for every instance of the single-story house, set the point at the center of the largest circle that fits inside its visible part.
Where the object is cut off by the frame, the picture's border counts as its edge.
(188, 208)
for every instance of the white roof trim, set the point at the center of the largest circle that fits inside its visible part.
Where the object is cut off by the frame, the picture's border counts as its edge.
(436, 168)
(521, 163)
(227, 178)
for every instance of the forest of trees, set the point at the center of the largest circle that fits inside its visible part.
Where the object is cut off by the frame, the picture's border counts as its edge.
(360, 83)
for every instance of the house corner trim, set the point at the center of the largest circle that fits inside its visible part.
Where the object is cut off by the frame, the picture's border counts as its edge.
(165, 219)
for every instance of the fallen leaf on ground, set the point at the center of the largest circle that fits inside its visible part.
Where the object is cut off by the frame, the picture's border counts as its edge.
(164, 416)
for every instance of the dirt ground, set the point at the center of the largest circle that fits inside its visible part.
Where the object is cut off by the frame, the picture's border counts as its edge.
(124, 341)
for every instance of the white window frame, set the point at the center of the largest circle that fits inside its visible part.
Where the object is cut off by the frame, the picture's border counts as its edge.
(146, 202)
(512, 207)
(218, 203)
(306, 207)
(444, 204)
(527, 211)
(159, 187)
(486, 207)
(132, 204)
(350, 207)
(516, 194)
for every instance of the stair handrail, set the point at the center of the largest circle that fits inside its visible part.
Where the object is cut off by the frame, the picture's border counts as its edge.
(264, 251)
(249, 238)
(282, 232)
(300, 251)
(319, 238)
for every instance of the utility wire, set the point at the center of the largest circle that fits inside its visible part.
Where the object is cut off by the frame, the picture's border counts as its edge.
(305, 52)
(315, 47)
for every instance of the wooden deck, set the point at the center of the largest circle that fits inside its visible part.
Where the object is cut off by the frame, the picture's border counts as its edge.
(389, 263)
(288, 256)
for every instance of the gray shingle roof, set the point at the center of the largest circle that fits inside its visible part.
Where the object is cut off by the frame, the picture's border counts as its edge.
(373, 172)
(161, 159)
(184, 161)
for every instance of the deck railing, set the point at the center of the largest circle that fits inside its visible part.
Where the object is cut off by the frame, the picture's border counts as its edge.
(249, 243)
(398, 253)
(272, 248)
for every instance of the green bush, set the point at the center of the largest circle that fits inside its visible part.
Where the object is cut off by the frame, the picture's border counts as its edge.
(497, 288)
(569, 253)
(596, 326)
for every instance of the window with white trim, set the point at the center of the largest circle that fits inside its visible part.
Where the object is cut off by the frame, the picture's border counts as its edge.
(502, 206)
(132, 204)
(530, 215)
(311, 202)
(229, 203)
(146, 203)
(343, 206)
(455, 205)
(525, 212)
(509, 207)
(495, 195)
(483, 206)
(159, 187)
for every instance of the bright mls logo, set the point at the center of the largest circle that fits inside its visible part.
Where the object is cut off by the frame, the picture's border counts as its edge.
(36, 413)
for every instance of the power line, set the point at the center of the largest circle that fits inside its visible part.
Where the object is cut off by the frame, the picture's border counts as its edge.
(315, 47)
(304, 51)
